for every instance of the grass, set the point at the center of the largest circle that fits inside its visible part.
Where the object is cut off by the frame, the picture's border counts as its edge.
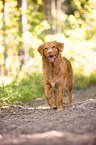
(19, 91)
(82, 82)
(31, 87)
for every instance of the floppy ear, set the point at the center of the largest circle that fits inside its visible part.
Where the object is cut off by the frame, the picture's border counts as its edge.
(60, 46)
(40, 49)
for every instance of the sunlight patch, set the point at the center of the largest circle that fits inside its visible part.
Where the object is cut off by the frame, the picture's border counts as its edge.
(49, 134)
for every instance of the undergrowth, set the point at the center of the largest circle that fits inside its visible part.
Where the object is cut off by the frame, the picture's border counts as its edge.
(82, 82)
(28, 88)
(31, 87)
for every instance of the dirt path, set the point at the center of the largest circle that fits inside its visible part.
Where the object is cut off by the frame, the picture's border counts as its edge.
(36, 124)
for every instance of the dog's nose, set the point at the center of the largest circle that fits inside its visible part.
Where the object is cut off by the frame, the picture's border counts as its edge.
(50, 52)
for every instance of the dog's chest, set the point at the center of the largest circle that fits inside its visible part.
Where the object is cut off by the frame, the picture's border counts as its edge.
(53, 85)
(53, 72)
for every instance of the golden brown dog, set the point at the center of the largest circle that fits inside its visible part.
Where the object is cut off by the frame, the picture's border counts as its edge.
(57, 72)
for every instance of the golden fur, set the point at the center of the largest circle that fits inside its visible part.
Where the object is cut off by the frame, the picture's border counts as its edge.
(57, 72)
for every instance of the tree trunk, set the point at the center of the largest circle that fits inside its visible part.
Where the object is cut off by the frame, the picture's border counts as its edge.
(24, 29)
(6, 63)
(19, 5)
(20, 50)
(45, 9)
(53, 14)
(59, 16)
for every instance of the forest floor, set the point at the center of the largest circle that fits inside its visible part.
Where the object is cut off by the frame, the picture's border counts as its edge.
(34, 123)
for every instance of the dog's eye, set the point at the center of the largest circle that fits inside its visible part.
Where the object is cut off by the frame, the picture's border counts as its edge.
(45, 47)
(53, 46)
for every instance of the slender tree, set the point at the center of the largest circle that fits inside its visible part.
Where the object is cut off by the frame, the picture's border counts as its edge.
(59, 16)
(20, 50)
(5, 39)
(45, 9)
(24, 29)
(53, 14)
(19, 5)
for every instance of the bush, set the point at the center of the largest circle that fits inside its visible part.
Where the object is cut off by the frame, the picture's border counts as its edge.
(32, 87)
(27, 89)
(82, 82)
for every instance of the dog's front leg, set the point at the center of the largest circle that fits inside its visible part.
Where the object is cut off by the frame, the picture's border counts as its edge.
(55, 98)
(60, 97)
(48, 95)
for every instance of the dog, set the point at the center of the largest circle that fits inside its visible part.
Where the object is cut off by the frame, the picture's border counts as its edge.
(58, 74)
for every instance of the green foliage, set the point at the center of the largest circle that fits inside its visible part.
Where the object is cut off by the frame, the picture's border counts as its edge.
(77, 22)
(82, 82)
(32, 87)
(19, 91)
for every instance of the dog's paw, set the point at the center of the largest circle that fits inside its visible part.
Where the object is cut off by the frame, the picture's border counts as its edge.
(54, 107)
(60, 108)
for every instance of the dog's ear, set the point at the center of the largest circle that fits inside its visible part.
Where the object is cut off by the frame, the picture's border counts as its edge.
(40, 49)
(60, 46)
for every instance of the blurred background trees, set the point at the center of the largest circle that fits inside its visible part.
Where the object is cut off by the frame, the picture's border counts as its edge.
(25, 24)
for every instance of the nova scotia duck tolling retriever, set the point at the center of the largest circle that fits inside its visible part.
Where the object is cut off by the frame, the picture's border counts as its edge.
(58, 74)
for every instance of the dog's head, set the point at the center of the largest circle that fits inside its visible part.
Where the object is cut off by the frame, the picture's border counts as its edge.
(50, 50)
